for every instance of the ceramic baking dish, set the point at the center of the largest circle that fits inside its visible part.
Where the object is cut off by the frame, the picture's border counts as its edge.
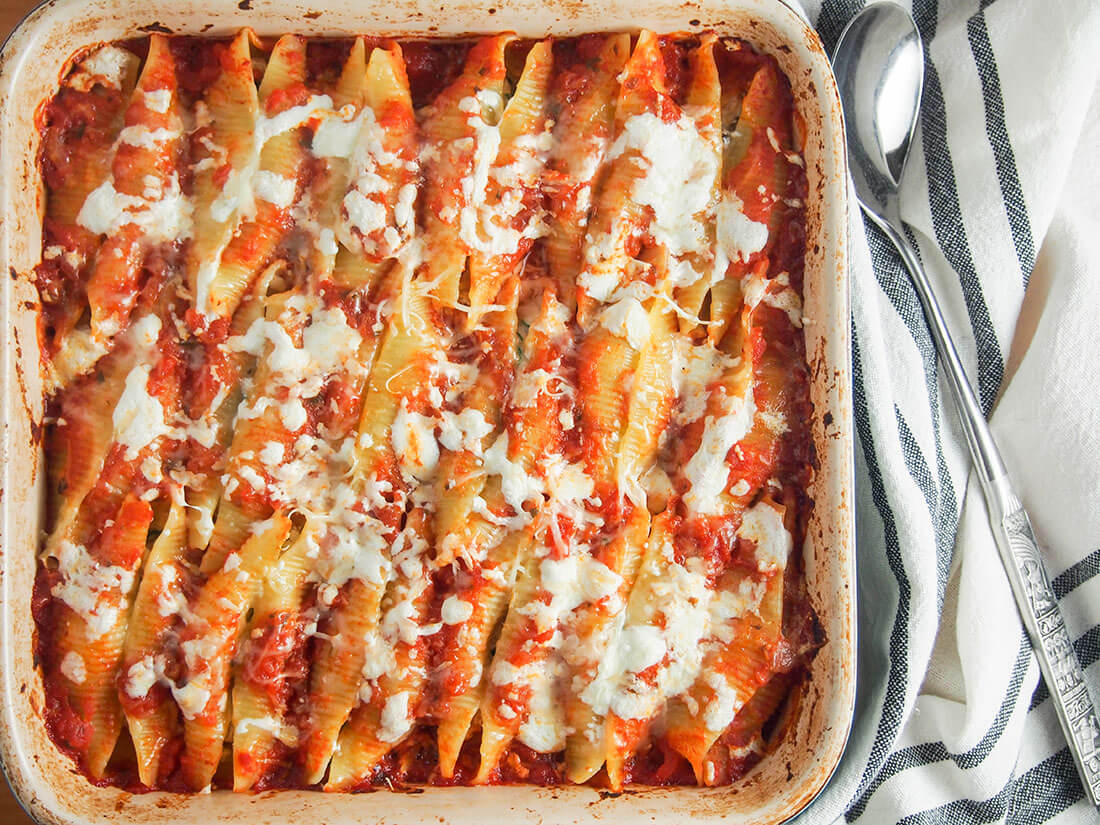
(786, 781)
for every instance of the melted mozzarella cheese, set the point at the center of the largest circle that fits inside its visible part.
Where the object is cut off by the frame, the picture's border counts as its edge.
(328, 340)
(287, 734)
(158, 100)
(570, 582)
(378, 661)
(354, 554)
(146, 138)
(680, 173)
(739, 236)
(414, 444)
(395, 717)
(399, 622)
(728, 605)
(365, 214)
(163, 217)
(268, 127)
(695, 369)
(775, 292)
(92, 590)
(274, 188)
(367, 207)
(464, 430)
(763, 525)
(140, 677)
(627, 319)
(171, 600)
(665, 632)
(272, 453)
(682, 592)
(543, 731)
(723, 705)
(517, 485)
(138, 418)
(707, 469)
(224, 206)
(489, 225)
(326, 242)
(145, 331)
(328, 345)
(73, 667)
(404, 210)
(106, 66)
(79, 352)
(455, 611)
(192, 698)
(529, 384)
(335, 136)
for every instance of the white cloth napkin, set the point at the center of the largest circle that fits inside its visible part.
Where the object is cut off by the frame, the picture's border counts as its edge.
(953, 723)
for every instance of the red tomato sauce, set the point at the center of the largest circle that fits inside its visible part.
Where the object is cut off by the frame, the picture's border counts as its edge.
(273, 657)
(431, 65)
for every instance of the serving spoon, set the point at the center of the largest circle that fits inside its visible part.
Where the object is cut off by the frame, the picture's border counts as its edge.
(879, 66)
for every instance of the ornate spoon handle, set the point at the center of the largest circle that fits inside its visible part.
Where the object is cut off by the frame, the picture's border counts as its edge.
(1047, 629)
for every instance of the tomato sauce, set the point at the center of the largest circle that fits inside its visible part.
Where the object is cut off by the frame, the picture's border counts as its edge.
(676, 51)
(431, 65)
(199, 63)
(273, 658)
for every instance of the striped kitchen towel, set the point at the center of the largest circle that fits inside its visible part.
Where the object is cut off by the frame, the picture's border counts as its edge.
(953, 723)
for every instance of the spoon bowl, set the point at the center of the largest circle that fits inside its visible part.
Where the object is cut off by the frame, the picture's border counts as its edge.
(879, 65)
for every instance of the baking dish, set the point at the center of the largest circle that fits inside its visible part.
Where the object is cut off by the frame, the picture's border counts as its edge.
(788, 778)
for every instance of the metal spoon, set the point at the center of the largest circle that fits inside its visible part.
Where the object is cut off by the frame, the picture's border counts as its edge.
(879, 65)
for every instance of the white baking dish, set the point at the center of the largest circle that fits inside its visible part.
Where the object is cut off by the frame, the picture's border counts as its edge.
(787, 779)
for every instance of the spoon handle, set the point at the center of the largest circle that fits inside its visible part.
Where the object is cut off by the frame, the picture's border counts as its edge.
(1016, 542)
